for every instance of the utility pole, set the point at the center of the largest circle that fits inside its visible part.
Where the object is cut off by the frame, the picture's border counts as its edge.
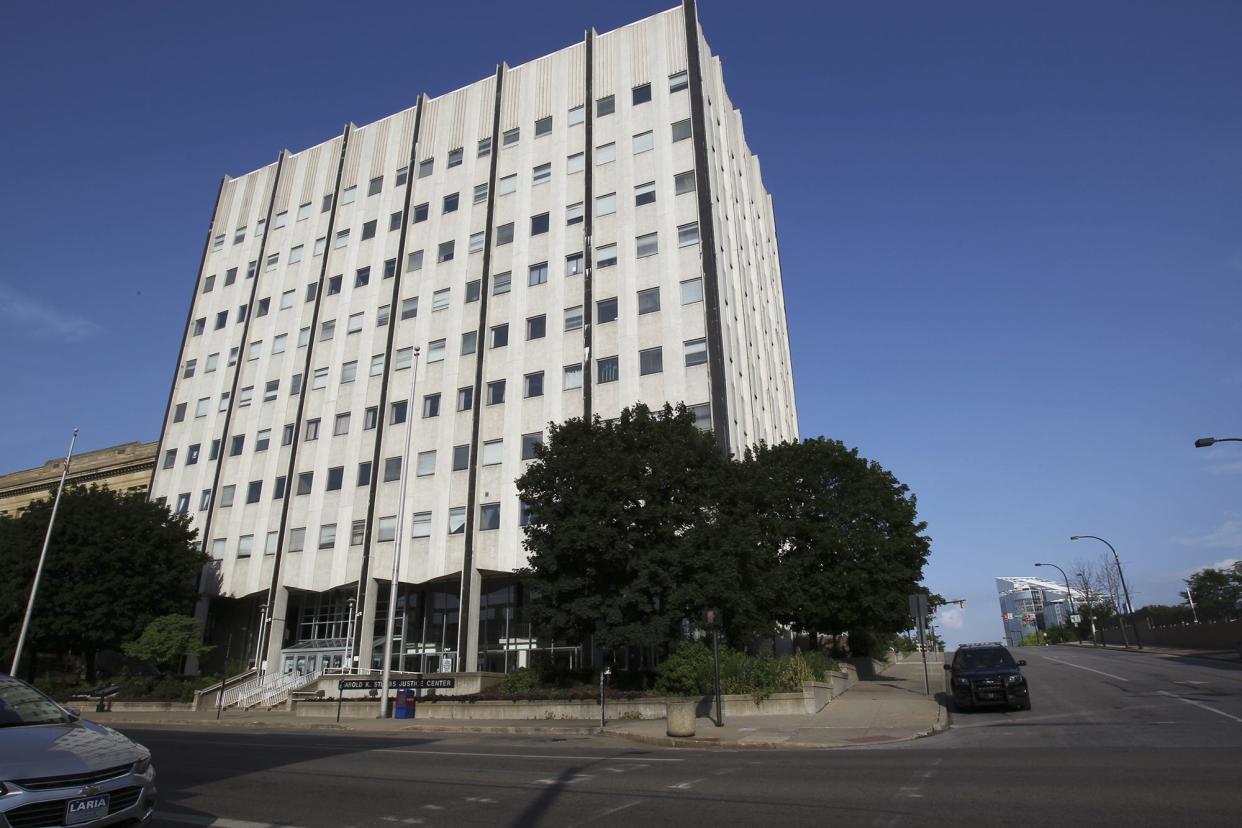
(47, 539)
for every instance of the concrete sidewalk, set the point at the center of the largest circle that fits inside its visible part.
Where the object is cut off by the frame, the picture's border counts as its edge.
(890, 709)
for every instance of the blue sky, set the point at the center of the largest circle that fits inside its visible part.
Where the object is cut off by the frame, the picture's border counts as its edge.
(1011, 234)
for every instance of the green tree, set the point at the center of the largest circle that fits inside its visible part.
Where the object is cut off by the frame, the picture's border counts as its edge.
(1217, 592)
(851, 547)
(116, 561)
(167, 640)
(625, 521)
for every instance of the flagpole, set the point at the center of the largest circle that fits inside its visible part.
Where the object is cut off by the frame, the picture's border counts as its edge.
(47, 539)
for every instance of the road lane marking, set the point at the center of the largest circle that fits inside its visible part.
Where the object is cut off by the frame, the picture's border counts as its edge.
(608, 812)
(1080, 667)
(526, 755)
(1202, 705)
(685, 786)
(216, 822)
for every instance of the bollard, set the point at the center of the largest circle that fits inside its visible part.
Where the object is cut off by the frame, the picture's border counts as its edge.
(680, 718)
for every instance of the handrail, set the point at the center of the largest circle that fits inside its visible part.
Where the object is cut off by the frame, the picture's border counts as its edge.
(279, 690)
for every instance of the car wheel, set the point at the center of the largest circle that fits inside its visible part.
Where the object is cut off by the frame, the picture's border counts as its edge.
(1026, 705)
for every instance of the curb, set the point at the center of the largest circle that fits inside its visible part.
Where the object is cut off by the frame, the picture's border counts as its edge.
(514, 729)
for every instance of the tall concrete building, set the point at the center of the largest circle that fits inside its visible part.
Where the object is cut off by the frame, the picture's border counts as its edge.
(560, 239)
(1030, 604)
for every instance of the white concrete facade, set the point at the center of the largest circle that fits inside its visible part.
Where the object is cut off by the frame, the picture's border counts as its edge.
(332, 294)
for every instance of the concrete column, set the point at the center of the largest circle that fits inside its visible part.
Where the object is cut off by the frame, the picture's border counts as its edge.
(468, 660)
(276, 630)
(366, 623)
(201, 607)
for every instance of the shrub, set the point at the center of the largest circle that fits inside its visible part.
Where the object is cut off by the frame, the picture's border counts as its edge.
(522, 680)
(688, 671)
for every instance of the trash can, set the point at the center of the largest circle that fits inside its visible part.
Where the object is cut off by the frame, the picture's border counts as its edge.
(401, 710)
(680, 718)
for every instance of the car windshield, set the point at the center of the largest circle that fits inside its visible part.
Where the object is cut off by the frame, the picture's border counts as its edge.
(984, 659)
(21, 704)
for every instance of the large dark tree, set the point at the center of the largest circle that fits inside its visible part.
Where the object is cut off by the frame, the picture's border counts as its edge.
(851, 545)
(116, 561)
(623, 540)
(1217, 593)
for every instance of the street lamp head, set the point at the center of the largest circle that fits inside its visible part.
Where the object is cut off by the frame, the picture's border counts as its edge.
(1075, 537)
(1204, 442)
(1039, 564)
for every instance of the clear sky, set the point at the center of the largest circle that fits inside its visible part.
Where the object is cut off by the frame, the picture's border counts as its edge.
(1011, 233)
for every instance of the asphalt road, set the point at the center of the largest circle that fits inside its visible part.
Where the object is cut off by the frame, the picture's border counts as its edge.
(1114, 738)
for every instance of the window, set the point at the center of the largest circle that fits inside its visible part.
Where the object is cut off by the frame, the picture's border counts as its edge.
(477, 240)
(510, 137)
(355, 323)
(435, 351)
(465, 398)
(573, 214)
(543, 126)
(370, 417)
(577, 115)
(349, 194)
(500, 336)
(397, 411)
(440, 300)
(203, 406)
(489, 516)
(644, 142)
(536, 327)
(321, 244)
(390, 268)
(312, 430)
(469, 342)
(244, 546)
(473, 289)
(208, 284)
(218, 242)
(270, 390)
(188, 370)
(282, 218)
(420, 213)
(342, 239)
(531, 444)
(327, 536)
(392, 469)
(493, 452)
(295, 384)
(252, 267)
(224, 402)
(648, 301)
(278, 490)
(696, 352)
(265, 305)
(286, 435)
(692, 291)
(650, 361)
(431, 405)
(575, 163)
(647, 245)
(461, 457)
(506, 185)
(230, 276)
(606, 310)
(504, 234)
(304, 211)
(606, 205)
(573, 264)
(214, 452)
(409, 307)
(368, 229)
(644, 194)
(394, 221)
(179, 413)
(609, 370)
(226, 496)
(414, 261)
(450, 203)
(485, 147)
(454, 158)
(480, 193)
(214, 359)
(386, 530)
(286, 300)
(303, 337)
(357, 532)
(681, 130)
(501, 283)
(526, 515)
(605, 154)
(377, 365)
(222, 319)
(683, 182)
(297, 539)
(702, 415)
(573, 318)
(541, 174)
(403, 175)
(191, 456)
(538, 274)
(641, 94)
(445, 252)
(237, 445)
(327, 330)
(254, 491)
(305, 481)
(678, 81)
(426, 167)
(262, 440)
(404, 359)
(341, 425)
(375, 186)
(457, 520)
(605, 106)
(573, 377)
(688, 234)
(246, 395)
(533, 386)
(496, 392)
(421, 525)
(334, 285)
(320, 379)
(364, 474)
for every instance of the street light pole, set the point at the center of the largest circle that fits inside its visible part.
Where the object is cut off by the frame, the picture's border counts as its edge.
(1124, 589)
(396, 548)
(1191, 598)
(47, 539)
(1069, 594)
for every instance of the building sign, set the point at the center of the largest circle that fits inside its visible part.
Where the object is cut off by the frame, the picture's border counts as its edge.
(398, 684)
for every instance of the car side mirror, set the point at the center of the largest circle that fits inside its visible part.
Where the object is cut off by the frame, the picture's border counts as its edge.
(948, 666)
(1022, 662)
(74, 712)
